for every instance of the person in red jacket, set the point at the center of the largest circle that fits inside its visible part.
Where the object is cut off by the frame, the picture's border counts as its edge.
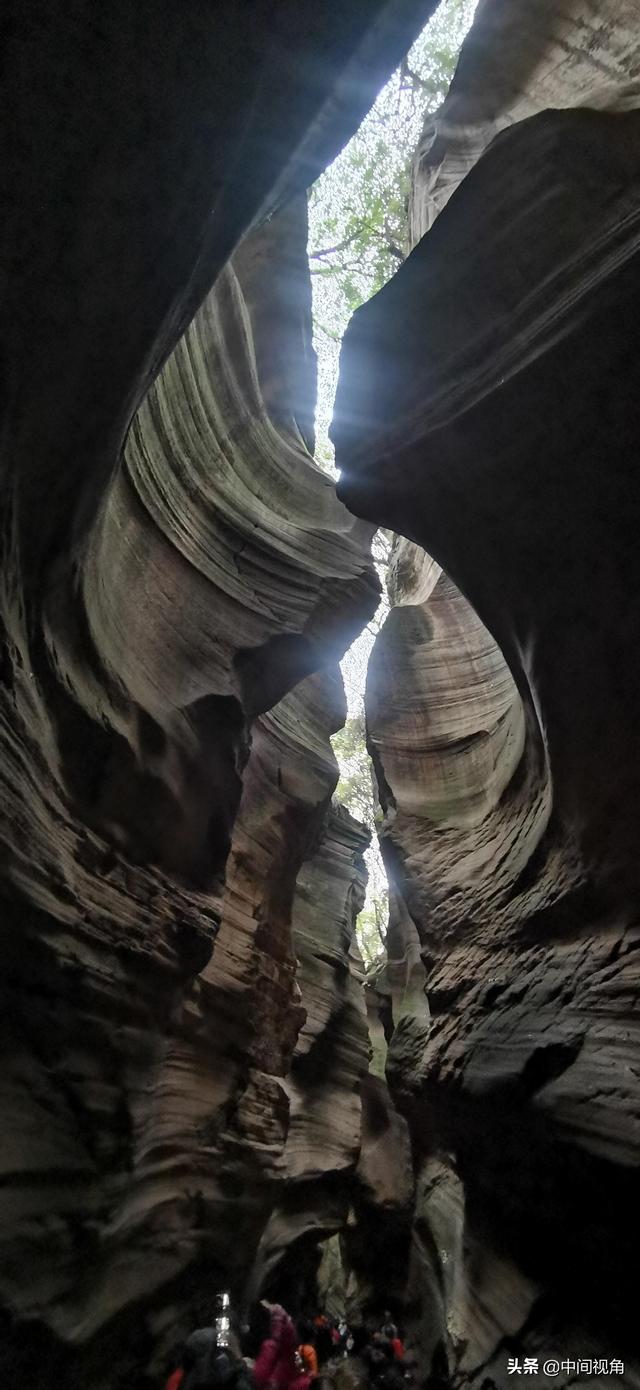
(175, 1379)
(391, 1333)
(277, 1365)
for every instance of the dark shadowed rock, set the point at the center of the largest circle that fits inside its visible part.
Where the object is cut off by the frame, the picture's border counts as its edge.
(487, 410)
(173, 564)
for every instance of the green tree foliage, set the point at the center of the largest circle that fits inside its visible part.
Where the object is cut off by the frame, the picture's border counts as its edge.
(355, 788)
(358, 230)
(358, 208)
(372, 927)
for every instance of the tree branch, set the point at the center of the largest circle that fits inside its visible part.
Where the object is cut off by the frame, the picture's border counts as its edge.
(339, 246)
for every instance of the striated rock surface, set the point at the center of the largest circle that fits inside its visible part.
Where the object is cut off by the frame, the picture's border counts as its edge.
(146, 1084)
(184, 1103)
(221, 571)
(517, 60)
(328, 1067)
(376, 1239)
(173, 566)
(486, 411)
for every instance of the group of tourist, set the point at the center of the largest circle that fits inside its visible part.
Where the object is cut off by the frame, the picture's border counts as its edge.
(289, 1357)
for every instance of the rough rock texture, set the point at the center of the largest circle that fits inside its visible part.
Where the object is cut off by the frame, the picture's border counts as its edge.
(177, 582)
(487, 411)
(365, 1266)
(348, 1179)
(519, 59)
(328, 1066)
(376, 1237)
(149, 1114)
(172, 566)
(220, 571)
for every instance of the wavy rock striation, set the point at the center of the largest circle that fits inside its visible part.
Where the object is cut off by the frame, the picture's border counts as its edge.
(328, 1067)
(173, 566)
(149, 1111)
(487, 411)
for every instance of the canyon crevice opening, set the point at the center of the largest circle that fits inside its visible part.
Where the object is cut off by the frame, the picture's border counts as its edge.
(233, 1059)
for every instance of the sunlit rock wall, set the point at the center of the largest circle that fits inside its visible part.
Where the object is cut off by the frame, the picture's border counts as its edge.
(148, 1110)
(172, 566)
(519, 59)
(487, 412)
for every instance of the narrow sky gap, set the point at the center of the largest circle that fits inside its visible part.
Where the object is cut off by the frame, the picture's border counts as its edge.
(357, 240)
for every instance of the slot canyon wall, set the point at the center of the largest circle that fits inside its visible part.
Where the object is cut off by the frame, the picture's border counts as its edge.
(178, 584)
(192, 1092)
(487, 412)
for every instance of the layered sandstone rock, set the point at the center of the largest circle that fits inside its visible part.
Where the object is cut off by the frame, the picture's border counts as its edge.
(175, 593)
(149, 1112)
(172, 566)
(487, 412)
(328, 1067)
(517, 60)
